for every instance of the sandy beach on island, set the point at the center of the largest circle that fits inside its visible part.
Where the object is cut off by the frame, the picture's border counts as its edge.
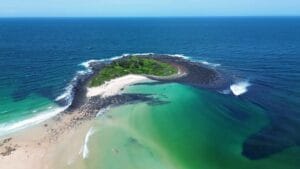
(114, 86)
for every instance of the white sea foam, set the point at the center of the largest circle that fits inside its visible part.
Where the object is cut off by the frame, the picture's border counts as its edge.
(68, 94)
(201, 61)
(116, 57)
(83, 72)
(65, 95)
(85, 151)
(209, 64)
(102, 111)
(240, 88)
(7, 128)
(138, 54)
(179, 55)
(147, 54)
(86, 64)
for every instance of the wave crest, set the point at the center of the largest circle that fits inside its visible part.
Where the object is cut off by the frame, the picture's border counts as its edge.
(85, 151)
(86, 64)
(44, 115)
(240, 88)
(210, 64)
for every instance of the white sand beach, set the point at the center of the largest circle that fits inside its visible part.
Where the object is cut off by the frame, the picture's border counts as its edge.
(114, 87)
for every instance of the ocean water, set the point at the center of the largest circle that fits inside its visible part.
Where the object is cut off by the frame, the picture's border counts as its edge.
(40, 59)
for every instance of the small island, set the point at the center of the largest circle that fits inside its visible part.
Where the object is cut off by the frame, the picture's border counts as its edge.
(109, 78)
(133, 65)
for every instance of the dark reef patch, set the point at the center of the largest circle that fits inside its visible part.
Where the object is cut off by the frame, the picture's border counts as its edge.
(276, 137)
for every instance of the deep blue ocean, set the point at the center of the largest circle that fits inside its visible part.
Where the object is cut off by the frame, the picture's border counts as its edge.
(39, 57)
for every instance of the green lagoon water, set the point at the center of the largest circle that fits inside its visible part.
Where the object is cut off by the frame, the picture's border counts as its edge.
(193, 129)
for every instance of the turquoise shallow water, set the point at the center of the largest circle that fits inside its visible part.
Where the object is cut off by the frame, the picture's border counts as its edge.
(19, 114)
(16, 110)
(191, 129)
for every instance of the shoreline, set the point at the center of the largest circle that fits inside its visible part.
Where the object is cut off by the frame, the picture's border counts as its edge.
(35, 147)
(114, 86)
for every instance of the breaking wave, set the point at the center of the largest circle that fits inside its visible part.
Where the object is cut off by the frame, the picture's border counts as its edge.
(240, 88)
(85, 149)
(86, 64)
(66, 98)
(210, 64)
(7, 128)
(102, 111)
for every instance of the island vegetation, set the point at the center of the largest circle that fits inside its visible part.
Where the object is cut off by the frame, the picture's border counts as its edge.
(133, 65)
